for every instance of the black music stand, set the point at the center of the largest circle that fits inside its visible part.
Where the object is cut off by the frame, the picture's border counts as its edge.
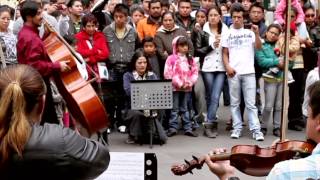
(151, 95)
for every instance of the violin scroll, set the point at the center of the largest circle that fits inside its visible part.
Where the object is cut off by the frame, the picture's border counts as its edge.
(182, 169)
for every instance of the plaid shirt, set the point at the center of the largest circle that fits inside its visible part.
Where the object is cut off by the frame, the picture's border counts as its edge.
(299, 169)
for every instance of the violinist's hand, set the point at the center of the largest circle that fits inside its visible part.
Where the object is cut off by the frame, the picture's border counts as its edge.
(64, 66)
(222, 169)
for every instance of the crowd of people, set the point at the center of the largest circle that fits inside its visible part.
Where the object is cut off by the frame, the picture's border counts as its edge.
(223, 46)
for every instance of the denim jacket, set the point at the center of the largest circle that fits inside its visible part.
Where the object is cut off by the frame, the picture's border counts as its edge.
(121, 50)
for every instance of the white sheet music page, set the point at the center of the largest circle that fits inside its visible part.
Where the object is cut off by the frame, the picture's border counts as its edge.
(124, 166)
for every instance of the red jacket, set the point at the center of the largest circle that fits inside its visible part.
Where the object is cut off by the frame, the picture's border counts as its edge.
(99, 51)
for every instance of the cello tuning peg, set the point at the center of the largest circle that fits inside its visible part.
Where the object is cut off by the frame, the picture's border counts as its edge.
(187, 162)
(195, 158)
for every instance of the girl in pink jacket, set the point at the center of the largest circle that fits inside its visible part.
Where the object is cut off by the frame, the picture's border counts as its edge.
(183, 71)
(280, 11)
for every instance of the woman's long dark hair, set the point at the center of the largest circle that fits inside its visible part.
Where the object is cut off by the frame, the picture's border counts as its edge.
(139, 53)
(219, 12)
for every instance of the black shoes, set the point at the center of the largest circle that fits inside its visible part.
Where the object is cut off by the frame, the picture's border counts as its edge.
(191, 134)
(276, 132)
(171, 132)
(295, 127)
(264, 131)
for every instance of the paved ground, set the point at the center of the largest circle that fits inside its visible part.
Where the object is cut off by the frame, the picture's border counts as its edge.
(181, 147)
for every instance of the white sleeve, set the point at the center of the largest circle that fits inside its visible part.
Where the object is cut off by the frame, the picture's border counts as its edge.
(224, 39)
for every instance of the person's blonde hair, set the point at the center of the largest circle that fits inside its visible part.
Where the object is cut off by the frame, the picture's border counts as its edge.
(21, 87)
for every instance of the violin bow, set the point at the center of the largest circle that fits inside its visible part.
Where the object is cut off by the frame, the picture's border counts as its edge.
(285, 92)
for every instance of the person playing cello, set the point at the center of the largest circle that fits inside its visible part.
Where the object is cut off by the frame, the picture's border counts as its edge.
(304, 168)
(31, 51)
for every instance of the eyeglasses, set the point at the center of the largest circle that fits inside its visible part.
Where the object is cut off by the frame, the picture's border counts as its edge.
(274, 33)
(310, 15)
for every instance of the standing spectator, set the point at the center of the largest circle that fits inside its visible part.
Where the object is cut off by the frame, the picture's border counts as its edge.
(18, 24)
(154, 59)
(122, 42)
(198, 36)
(71, 24)
(296, 89)
(108, 12)
(183, 71)
(238, 57)
(267, 58)
(90, 43)
(145, 6)
(148, 26)
(246, 5)
(310, 55)
(184, 18)
(8, 39)
(212, 69)
(226, 14)
(256, 15)
(165, 35)
(136, 14)
(204, 4)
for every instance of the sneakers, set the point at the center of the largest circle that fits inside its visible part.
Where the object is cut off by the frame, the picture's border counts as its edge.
(236, 134)
(258, 136)
(290, 78)
(264, 131)
(271, 73)
(122, 129)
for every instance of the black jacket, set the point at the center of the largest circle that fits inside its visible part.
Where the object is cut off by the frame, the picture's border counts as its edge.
(201, 45)
(54, 152)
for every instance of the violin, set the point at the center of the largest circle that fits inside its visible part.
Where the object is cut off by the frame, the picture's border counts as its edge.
(251, 159)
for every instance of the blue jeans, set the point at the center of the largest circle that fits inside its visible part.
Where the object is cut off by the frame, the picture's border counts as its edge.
(247, 84)
(273, 101)
(180, 99)
(214, 83)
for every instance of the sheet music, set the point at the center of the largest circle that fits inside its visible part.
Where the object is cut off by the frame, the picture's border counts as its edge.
(124, 166)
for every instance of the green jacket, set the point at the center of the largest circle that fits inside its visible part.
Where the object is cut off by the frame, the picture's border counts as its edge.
(266, 57)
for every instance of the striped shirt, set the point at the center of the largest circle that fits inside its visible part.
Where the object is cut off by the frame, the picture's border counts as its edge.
(298, 169)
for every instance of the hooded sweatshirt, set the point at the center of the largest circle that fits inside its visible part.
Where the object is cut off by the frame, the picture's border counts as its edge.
(183, 72)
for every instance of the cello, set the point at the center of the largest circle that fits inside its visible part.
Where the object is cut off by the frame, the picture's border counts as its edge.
(252, 159)
(81, 99)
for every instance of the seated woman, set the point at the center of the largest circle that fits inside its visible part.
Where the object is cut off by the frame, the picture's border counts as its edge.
(91, 44)
(140, 70)
(31, 151)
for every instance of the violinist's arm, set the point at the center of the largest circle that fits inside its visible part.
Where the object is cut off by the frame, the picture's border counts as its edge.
(222, 169)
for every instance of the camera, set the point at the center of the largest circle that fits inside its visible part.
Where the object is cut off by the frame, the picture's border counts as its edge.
(247, 25)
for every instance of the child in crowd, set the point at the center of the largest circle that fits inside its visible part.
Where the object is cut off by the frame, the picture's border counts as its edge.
(183, 71)
(281, 8)
(294, 46)
(150, 50)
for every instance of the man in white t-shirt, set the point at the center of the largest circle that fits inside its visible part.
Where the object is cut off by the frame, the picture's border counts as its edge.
(238, 58)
